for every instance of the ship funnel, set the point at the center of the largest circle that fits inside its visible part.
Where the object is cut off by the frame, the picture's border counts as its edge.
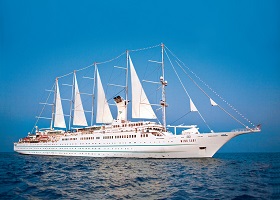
(122, 108)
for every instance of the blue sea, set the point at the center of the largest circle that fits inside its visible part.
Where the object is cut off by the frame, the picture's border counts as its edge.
(226, 176)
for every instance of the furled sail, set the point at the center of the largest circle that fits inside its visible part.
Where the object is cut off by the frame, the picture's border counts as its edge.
(79, 118)
(103, 113)
(141, 108)
(192, 106)
(59, 120)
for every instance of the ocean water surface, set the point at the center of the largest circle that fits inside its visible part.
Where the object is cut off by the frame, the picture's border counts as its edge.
(226, 176)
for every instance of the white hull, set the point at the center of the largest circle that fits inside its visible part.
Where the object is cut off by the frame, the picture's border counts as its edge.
(173, 146)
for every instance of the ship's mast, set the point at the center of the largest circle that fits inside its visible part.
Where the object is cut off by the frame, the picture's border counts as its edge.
(53, 105)
(93, 94)
(163, 83)
(72, 101)
(126, 83)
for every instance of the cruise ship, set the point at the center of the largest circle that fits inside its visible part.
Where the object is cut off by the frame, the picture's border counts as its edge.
(135, 131)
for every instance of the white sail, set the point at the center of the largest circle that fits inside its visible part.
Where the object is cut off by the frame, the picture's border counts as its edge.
(213, 103)
(79, 118)
(141, 108)
(59, 120)
(103, 113)
(192, 106)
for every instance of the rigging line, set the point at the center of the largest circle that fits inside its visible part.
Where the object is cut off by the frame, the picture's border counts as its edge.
(204, 121)
(43, 107)
(93, 65)
(193, 80)
(180, 117)
(209, 96)
(232, 107)
(157, 118)
(65, 75)
(141, 49)
(84, 68)
(149, 93)
(177, 75)
(185, 89)
(116, 94)
(107, 61)
(107, 88)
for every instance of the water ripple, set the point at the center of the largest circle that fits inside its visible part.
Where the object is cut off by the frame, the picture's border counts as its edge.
(227, 176)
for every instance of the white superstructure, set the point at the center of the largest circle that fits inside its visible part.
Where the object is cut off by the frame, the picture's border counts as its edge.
(120, 137)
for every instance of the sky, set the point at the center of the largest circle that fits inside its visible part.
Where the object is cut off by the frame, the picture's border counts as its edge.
(234, 46)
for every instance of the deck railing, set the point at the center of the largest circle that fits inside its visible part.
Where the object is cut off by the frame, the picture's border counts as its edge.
(255, 129)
